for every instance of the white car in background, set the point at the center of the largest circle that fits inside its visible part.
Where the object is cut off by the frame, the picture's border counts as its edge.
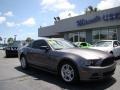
(110, 46)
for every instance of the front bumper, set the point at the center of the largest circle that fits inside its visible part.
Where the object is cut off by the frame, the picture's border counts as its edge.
(11, 52)
(97, 73)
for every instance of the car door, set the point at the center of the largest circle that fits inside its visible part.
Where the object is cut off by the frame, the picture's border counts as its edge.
(116, 47)
(38, 56)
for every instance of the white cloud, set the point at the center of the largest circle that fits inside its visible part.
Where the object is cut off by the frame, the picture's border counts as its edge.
(10, 24)
(67, 14)
(55, 5)
(9, 13)
(2, 19)
(106, 4)
(44, 24)
(29, 22)
(31, 34)
(20, 30)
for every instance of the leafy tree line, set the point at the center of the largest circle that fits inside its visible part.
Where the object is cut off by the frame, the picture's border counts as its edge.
(11, 40)
(90, 9)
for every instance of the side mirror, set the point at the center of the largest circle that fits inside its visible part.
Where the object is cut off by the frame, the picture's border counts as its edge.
(45, 48)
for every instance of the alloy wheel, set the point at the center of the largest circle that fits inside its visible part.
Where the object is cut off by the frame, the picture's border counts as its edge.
(23, 63)
(67, 72)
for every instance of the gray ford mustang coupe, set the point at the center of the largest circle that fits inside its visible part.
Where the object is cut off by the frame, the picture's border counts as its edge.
(63, 58)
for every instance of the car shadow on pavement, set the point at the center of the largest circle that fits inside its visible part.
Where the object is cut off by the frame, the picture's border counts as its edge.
(12, 56)
(54, 79)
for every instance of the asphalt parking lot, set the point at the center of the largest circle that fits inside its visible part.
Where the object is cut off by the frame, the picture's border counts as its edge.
(12, 77)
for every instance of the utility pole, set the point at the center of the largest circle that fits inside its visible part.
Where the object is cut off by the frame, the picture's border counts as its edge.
(15, 37)
(4, 40)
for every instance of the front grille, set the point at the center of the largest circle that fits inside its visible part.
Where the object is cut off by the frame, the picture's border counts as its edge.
(108, 61)
(14, 48)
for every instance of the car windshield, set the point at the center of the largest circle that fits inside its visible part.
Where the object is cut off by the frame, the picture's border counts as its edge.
(16, 44)
(103, 44)
(60, 44)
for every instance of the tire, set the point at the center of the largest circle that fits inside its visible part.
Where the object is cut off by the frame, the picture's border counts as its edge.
(68, 72)
(7, 55)
(24, 64)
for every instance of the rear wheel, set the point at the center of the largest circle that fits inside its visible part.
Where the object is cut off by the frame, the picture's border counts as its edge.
(23, 62)
(7, 55)
(68, 72)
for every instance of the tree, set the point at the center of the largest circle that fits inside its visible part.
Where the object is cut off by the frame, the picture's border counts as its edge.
(95, 9)
(91, 9)
(28, 39)
(10, 40)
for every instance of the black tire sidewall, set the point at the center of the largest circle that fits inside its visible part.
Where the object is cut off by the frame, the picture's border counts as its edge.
(26, 64)
(7, 54)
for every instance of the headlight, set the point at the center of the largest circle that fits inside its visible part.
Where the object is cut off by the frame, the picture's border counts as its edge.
(8, 48)
(90, 62)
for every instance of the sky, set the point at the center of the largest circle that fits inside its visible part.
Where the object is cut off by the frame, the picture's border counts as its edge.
(23, 17)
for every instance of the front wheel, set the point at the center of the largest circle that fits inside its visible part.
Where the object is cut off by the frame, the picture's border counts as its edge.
(24, 63)
(7, 54)
(68, 72)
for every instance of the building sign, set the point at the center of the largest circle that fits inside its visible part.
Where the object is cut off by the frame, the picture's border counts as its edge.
(106, 17)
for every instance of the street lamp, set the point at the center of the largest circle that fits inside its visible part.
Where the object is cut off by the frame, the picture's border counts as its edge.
(15, 37)
(4, 40)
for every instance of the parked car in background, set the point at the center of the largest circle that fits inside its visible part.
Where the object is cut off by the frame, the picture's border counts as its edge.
(110, 46)
(83, 44)
(12, 49)
(71, 63)
(3, 46)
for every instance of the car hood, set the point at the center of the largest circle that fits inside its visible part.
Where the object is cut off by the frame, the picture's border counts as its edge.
(106, 49)
(89, 54)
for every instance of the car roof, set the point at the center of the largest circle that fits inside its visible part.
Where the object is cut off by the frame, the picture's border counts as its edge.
(108, 40)
(80, 42)
(46, 38)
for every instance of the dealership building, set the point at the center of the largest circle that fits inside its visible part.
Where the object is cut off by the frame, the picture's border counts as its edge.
(89, 27)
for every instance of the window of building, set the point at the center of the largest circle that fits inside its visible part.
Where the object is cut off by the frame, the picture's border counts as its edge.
(95, 35)
(71, 37)
(82, 36)
(104, 34)
(77, 37)
(112, 34)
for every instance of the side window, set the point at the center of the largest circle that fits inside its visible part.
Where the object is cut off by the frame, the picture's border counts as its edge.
(83, 44)
(115, 43)
(118, 43)
(38, 43)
